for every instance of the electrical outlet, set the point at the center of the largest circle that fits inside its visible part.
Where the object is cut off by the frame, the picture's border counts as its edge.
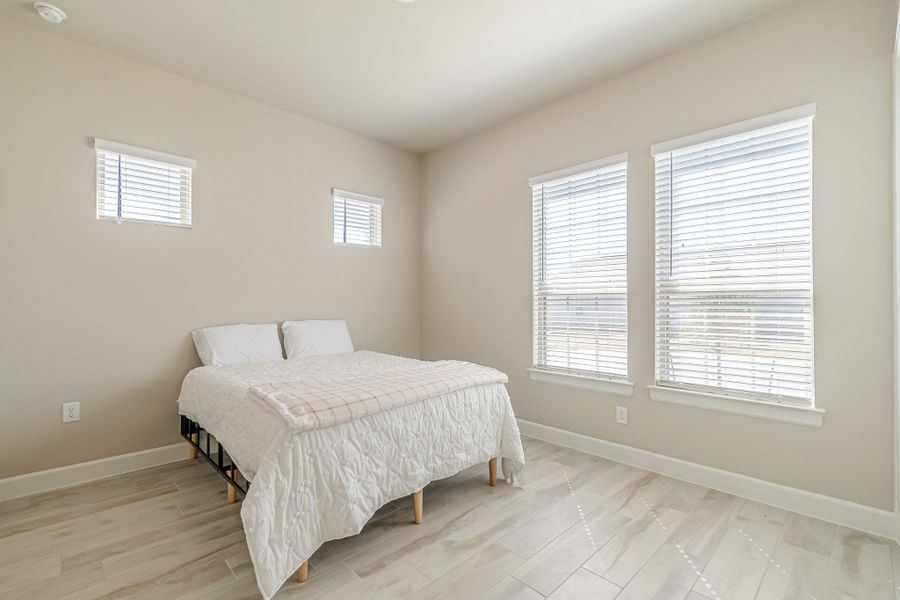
(71, 411)
(622, 415)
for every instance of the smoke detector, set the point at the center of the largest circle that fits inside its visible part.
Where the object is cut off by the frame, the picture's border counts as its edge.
(50, 13)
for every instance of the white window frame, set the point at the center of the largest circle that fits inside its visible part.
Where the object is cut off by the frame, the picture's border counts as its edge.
(605, 383)
(171, 160)
(336, 194)
(730, 401)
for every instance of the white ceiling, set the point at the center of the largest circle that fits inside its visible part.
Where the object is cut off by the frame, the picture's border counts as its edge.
(416, 75)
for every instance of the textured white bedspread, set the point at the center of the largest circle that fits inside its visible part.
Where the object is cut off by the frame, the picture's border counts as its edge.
(320, 402)
(323, 484)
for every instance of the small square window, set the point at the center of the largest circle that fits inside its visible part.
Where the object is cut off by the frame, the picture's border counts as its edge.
(357, 219)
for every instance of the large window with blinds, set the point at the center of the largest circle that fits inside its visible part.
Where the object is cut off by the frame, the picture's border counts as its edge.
(734, 292)
(138, 184)
(580, 273)
(356, 219)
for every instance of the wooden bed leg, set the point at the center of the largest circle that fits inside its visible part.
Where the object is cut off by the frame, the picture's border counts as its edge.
(417, 505)
(195, 439)
(232, 491)
(303, 572)
(492, 472)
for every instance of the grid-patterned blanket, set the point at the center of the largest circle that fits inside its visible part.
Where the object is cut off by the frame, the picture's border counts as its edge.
(315, 403)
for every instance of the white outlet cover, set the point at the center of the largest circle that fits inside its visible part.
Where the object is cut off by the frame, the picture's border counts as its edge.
(71, 412)
(622, 415)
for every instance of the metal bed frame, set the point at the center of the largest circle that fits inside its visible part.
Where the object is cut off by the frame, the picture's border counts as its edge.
(199, 439)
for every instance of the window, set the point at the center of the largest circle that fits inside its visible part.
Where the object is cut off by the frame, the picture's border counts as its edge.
(734, 260)
(357, 219)
(580, 274)
(136, 184)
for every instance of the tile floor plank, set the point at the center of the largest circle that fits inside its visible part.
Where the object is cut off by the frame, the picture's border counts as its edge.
(794, 573)
(584, 584)
(860, 566)
(510, 588)
(741, 559)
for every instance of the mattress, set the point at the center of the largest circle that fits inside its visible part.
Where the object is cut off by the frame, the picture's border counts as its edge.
(314, 486)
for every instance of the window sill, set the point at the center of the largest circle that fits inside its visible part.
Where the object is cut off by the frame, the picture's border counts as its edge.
(364, 246)
(596, 384)
(785, 413)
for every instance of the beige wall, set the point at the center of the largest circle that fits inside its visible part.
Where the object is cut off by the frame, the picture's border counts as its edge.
(476, 232)
(101, 313)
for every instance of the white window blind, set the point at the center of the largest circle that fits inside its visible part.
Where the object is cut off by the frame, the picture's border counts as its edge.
(357, 219)
(137, 184)
(734, 261)
(580, 274)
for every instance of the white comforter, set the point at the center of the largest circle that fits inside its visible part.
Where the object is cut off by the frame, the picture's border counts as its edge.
(324, 484)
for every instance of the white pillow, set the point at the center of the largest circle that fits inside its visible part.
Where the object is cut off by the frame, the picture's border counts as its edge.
(315, 338)
(237, 344)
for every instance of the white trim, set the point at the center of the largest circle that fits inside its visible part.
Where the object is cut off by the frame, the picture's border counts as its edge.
(774, 411)
(896, 273)
(584, 382)
(582, 168)
(366, 246)
(849, 514)
(807, 111)
(339, 193)
(175, 159)
(124, 220)
(60, 477)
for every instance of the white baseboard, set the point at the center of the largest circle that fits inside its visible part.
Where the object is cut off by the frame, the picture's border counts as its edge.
(52, 479)
(856, 516)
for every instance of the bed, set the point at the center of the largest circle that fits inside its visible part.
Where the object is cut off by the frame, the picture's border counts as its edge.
(319, 476)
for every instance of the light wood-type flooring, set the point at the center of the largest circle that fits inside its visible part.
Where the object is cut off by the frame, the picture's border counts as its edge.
(580, 527)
